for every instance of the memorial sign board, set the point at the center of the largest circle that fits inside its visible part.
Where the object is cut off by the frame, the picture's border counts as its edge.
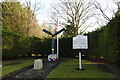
(80, 42)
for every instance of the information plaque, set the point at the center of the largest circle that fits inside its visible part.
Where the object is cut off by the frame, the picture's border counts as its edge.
(80, 42)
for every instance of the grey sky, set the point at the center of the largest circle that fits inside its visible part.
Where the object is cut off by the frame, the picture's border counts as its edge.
(43, 15)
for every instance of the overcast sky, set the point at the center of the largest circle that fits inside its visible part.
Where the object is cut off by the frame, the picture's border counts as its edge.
(43, 15)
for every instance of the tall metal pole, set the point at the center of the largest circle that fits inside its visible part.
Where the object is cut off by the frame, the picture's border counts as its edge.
(57, 39)
(57, 47)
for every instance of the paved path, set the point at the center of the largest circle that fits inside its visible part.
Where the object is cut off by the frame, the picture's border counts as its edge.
(31, 73)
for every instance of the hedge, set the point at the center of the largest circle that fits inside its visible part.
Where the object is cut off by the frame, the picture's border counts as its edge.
(14, 44)
(105, 42)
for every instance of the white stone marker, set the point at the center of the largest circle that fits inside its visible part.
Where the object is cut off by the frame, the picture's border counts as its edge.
(38, 64)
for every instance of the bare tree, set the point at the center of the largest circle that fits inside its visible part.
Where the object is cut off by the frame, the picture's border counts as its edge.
(98, 6)
(102, 14)
(117, 2)
(77, 13)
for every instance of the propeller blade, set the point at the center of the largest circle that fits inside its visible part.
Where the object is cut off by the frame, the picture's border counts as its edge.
(59, 32)
(47, 32)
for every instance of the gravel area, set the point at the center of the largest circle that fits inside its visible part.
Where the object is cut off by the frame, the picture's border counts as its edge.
(28, 73)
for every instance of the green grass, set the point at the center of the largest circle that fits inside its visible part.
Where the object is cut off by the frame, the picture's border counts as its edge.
(10, 68)
(67, 70)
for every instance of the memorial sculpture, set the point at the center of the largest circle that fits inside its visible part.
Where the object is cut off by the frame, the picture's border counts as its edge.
(53, 57)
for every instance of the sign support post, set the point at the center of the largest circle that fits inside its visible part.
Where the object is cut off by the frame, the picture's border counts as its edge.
(80, 61)
(80, 42)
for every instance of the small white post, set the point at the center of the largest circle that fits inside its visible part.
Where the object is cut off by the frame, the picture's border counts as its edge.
(80, 61)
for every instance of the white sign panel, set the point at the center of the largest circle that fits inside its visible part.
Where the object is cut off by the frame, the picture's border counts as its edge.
(80, 42)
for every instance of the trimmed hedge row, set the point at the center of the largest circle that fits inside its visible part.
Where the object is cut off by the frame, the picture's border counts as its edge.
(66, 48)
(105, 42)
(14, 44)
(41, 46)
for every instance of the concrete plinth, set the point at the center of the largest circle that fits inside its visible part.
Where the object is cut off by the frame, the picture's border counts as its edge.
(38, 64)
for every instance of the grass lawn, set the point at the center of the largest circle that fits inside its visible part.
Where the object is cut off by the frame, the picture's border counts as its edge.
(17, 64)
(67, 70)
